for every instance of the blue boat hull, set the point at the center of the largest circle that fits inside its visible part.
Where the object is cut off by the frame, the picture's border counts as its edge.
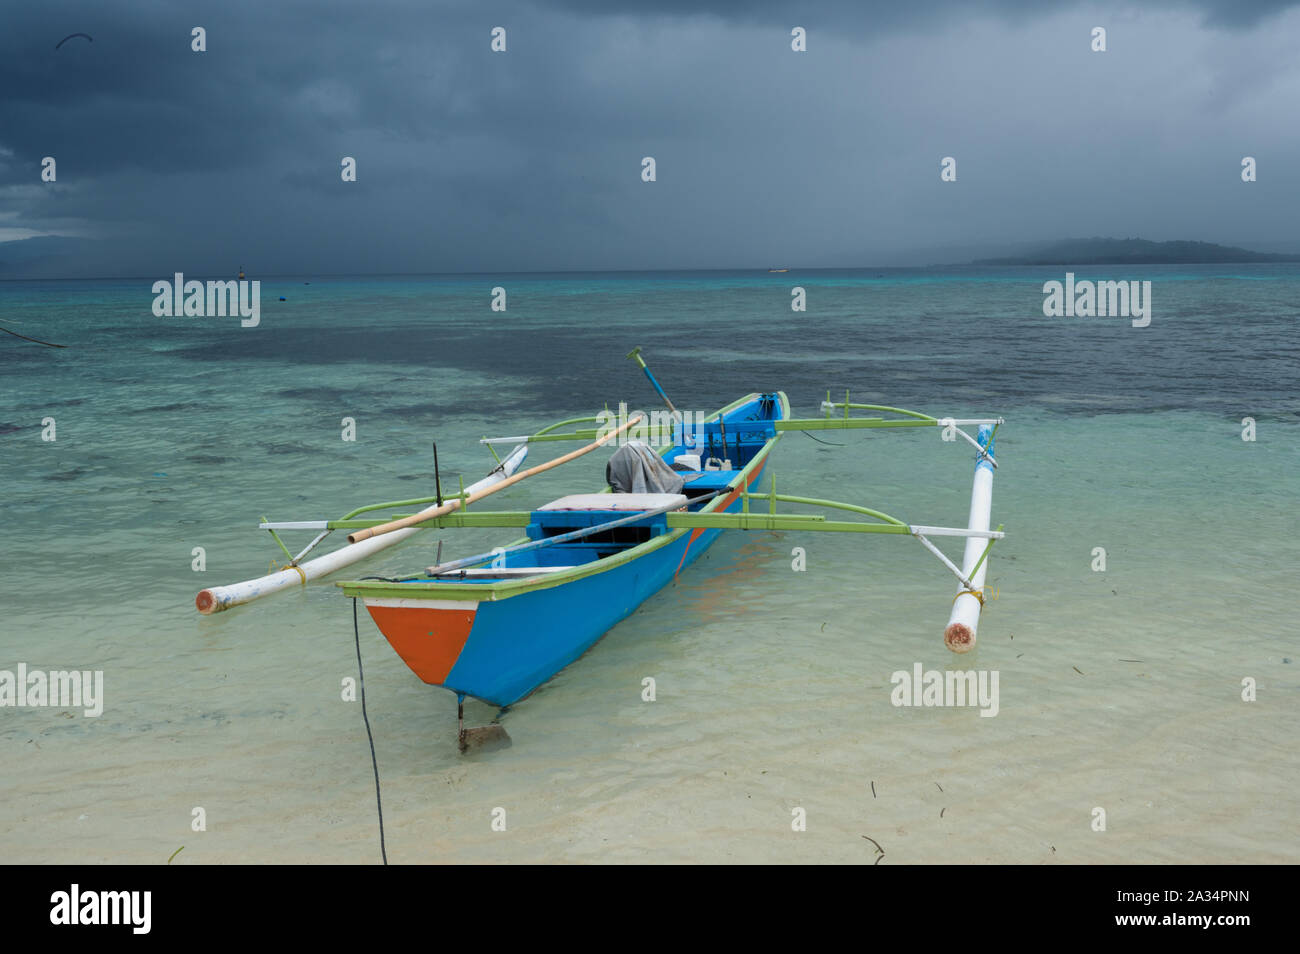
(519, 643)
(499, 643)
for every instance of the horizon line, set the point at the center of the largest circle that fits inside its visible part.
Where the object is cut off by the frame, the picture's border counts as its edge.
(639, 271)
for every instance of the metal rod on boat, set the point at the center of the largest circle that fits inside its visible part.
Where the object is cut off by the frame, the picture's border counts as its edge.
(311, 546)
(437, 478)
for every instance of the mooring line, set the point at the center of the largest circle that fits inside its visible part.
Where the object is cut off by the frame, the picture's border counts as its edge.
(48, 344)
(361, 681)
(820, 441)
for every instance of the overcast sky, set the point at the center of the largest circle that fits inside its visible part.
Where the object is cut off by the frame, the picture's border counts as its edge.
(470, 160)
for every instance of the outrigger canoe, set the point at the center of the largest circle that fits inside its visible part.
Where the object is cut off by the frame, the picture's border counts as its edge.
(498, 632)
(497, 625)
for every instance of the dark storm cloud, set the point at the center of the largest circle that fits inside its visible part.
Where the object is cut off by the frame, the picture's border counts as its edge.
(470, 160)
(896, 13)
(139, 96)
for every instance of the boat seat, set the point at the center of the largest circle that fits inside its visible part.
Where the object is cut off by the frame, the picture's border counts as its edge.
(629, 502)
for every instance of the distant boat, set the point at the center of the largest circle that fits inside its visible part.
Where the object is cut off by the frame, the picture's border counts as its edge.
(776, 270)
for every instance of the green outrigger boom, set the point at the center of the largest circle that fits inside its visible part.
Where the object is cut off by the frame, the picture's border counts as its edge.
(658, 433)
(667, 428)
(745, 520)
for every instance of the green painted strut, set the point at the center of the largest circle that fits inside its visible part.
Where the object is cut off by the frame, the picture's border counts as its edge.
(892, 410)
(831, 504)
(746, 520)
(276, 537)
(984, 554)
(778, 521)
(591, 434)
(414, 501)
(847, 423)
(457, 519)
(559, 424)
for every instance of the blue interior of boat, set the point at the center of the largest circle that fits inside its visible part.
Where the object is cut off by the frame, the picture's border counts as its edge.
(748, 428)
(552, 523)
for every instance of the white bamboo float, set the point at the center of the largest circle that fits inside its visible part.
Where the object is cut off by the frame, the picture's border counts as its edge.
(959, 635)
(219, 598)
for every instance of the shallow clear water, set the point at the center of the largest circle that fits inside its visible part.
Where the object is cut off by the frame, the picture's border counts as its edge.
(1118, 689)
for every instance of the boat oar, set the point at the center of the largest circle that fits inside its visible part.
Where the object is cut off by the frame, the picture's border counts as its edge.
(401, 524)
(635, 355)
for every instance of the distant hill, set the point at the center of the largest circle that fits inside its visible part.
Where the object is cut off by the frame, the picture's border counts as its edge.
(41, 255)
(1135, 251)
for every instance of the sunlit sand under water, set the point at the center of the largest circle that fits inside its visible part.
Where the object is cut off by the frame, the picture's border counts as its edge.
(1120, 689)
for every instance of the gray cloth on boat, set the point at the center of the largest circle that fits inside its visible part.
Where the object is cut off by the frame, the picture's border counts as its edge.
(635, 468)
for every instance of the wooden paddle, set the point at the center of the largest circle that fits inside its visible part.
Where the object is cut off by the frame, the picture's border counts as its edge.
(451, 505)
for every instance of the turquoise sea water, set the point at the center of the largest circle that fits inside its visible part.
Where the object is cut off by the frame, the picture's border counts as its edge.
(1120, 689)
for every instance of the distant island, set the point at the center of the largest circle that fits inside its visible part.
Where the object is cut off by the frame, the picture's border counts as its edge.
(1135, 251)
